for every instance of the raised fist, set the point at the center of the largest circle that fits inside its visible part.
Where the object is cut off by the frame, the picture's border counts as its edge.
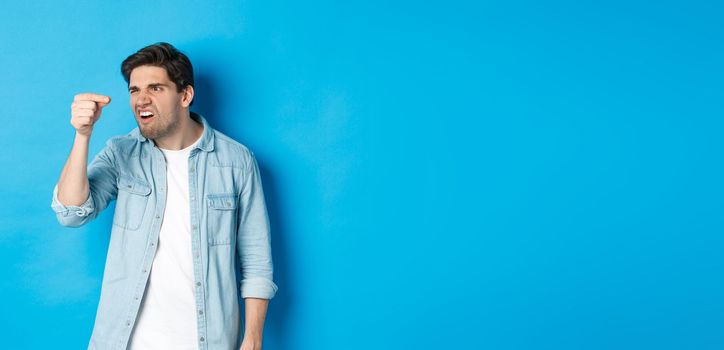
(85, 111)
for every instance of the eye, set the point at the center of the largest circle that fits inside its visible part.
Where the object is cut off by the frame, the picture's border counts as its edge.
(132, 91)
(156, 88)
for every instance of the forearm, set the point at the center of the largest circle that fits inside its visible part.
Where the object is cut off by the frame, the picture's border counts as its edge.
(73, 187)
(255, 315)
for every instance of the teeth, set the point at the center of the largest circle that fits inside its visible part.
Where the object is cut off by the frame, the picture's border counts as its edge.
(146, 114)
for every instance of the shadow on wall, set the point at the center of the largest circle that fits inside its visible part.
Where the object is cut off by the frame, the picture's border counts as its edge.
(205, 99)
(280, 306)
(206, 102)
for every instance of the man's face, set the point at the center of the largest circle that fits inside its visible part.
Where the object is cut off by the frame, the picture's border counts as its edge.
(155, 101)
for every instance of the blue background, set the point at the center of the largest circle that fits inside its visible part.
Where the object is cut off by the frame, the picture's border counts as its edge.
(440, 175)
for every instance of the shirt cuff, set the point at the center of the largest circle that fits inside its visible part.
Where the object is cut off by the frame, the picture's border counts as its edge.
(67, 210)
(259, 287)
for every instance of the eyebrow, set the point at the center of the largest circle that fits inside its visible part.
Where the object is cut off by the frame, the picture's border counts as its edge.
(149, 85)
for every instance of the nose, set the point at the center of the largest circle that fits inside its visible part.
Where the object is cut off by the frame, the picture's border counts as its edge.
(143, 98)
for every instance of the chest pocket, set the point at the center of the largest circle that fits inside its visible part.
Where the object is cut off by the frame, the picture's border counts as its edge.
(221, 220)
(131, 203)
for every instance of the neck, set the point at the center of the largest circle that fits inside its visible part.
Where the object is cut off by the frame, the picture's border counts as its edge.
(188, 132)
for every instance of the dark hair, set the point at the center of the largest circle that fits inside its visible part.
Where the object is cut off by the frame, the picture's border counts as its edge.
(164, 55)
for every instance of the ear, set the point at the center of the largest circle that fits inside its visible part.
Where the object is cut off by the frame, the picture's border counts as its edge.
(188, 96)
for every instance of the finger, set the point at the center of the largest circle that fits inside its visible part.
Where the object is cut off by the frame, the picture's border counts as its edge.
(101, 99)
(84, 112)
(85, 104)
(103, 104)
(81, 121)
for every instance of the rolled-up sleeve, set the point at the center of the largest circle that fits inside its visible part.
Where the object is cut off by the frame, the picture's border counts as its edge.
(103, 189)
(253, 238)
(71, 215)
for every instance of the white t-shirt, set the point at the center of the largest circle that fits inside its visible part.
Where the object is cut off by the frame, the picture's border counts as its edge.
(167, 317)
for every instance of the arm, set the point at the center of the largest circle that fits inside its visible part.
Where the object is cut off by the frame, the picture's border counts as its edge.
(254, 248)
(82, 192)
(73, 183)
(255, 315)
(101, 187)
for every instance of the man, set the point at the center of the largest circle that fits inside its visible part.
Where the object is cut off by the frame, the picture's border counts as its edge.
(190, 213)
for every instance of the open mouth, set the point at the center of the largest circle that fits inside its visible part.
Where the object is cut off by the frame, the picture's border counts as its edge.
(145, 115)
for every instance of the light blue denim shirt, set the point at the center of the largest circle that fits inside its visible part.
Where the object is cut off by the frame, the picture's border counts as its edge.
(229, 232)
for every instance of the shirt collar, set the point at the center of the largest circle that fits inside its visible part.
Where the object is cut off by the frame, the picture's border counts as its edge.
(207, 138)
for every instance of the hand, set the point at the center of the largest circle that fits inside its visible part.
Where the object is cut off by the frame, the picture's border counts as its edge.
(85, 111)
(250, 344)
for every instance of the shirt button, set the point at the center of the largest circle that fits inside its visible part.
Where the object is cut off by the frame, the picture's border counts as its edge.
(202, 338)
(158, 216)
(201, 312)
(198, 284)
(144, 270)
(152, 244)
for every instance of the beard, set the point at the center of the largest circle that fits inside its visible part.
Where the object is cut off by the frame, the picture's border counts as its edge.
(159, 128)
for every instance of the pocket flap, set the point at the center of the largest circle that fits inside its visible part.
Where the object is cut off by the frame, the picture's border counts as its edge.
(132, 185)
(226, 201)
